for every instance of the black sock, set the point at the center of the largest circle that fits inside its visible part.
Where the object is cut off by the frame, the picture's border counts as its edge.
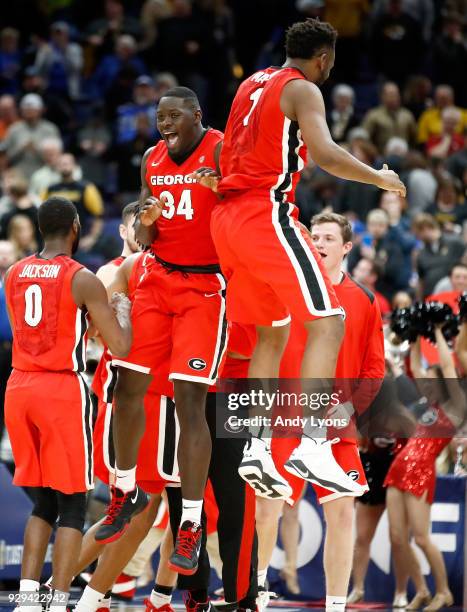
(163, 590)
(199, 595)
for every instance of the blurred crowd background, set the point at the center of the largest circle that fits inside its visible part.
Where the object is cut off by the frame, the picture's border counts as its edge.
(80, 81)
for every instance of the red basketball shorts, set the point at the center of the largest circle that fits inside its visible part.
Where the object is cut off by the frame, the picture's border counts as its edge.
(346, 454)
(49, 420)
(179, 319)
(272, 267)
(157, 457)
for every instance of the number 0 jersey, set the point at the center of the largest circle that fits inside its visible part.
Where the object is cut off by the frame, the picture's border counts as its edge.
(48, 327)
(262, 148)
(184, 237)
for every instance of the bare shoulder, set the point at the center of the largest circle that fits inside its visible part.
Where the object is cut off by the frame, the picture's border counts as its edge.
(297, 93)
(106, 273)
(129, 262)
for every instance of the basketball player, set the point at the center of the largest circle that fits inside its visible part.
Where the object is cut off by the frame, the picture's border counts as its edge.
(271, 265)
(178, 315)
(360, 370)
(48, 409)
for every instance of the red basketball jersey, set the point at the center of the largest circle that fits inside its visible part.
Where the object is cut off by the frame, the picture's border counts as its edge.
(105, 376)
(183, 236)
(262, 148)
(48, 327)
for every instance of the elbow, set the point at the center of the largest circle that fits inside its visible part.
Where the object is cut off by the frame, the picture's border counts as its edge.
(122, 347)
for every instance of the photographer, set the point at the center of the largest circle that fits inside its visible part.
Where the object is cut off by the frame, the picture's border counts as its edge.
(411, 479)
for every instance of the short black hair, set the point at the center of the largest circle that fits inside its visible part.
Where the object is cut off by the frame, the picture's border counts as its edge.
(305, 38)
(56, 216)
(130, 210)
(186, 94)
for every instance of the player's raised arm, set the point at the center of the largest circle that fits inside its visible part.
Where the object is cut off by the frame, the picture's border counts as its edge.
(302, 101)
(111, 320)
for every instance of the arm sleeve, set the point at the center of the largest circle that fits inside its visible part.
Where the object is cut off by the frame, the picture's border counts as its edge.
(373, 368)
(93, 200)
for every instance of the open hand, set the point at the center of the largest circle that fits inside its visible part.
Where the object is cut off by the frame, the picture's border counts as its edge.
(390, 181)
(207, 177)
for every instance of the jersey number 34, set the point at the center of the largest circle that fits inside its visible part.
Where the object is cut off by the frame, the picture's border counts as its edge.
(182, 209)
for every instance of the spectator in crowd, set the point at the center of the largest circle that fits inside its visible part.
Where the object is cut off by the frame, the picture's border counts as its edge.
(10, 61)
(8, 114)
(399, 229)
(430, 122)
(457, 165)
(366, 272)
(387, 254)
(448, 142)
(94, 141)
(395, 152)
(23, 139)
(58, 109)
(422, 11)
(420, 182)
(182, 46)
(396, 43)
(163, 82)
(449, 208)
(450, 56)
(85, 197)
(60, 62)
(20, 203)
(357, 199)
(128, 158)
(389, 119)
(21, 233)
(102, 33)
(348, 19)
(341, 117)
(456, 281)
(401, 299)
(417, 94)
(50, 149)
(439, 253)
(116, 73)
(143, 103)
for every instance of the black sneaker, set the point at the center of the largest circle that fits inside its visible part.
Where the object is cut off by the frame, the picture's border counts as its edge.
(122, 508)
(184, 558)
(191, 605)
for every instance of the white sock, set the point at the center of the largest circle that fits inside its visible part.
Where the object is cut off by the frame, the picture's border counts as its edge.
(159, 599)
(192, 511)
(126, 479)
(89, 601)
(262, 575)
(59, 601)
(28, 586)
(334, 603)
(105, 602)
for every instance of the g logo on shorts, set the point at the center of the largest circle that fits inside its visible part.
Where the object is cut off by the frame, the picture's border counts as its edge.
(353, 474)
(197, 364)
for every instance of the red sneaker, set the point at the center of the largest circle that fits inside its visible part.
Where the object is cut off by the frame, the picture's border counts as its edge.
(124, 587)
(150, 607)
(184, 559)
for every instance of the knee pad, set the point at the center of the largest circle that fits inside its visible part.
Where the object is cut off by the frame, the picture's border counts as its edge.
(71, 510)
(45, 505)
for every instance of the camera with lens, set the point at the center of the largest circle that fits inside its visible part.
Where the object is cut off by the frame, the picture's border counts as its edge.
(422, 318)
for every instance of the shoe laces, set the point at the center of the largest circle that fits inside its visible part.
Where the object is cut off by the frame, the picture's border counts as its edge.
(187, 540)
(150, 606)
(114, 508)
